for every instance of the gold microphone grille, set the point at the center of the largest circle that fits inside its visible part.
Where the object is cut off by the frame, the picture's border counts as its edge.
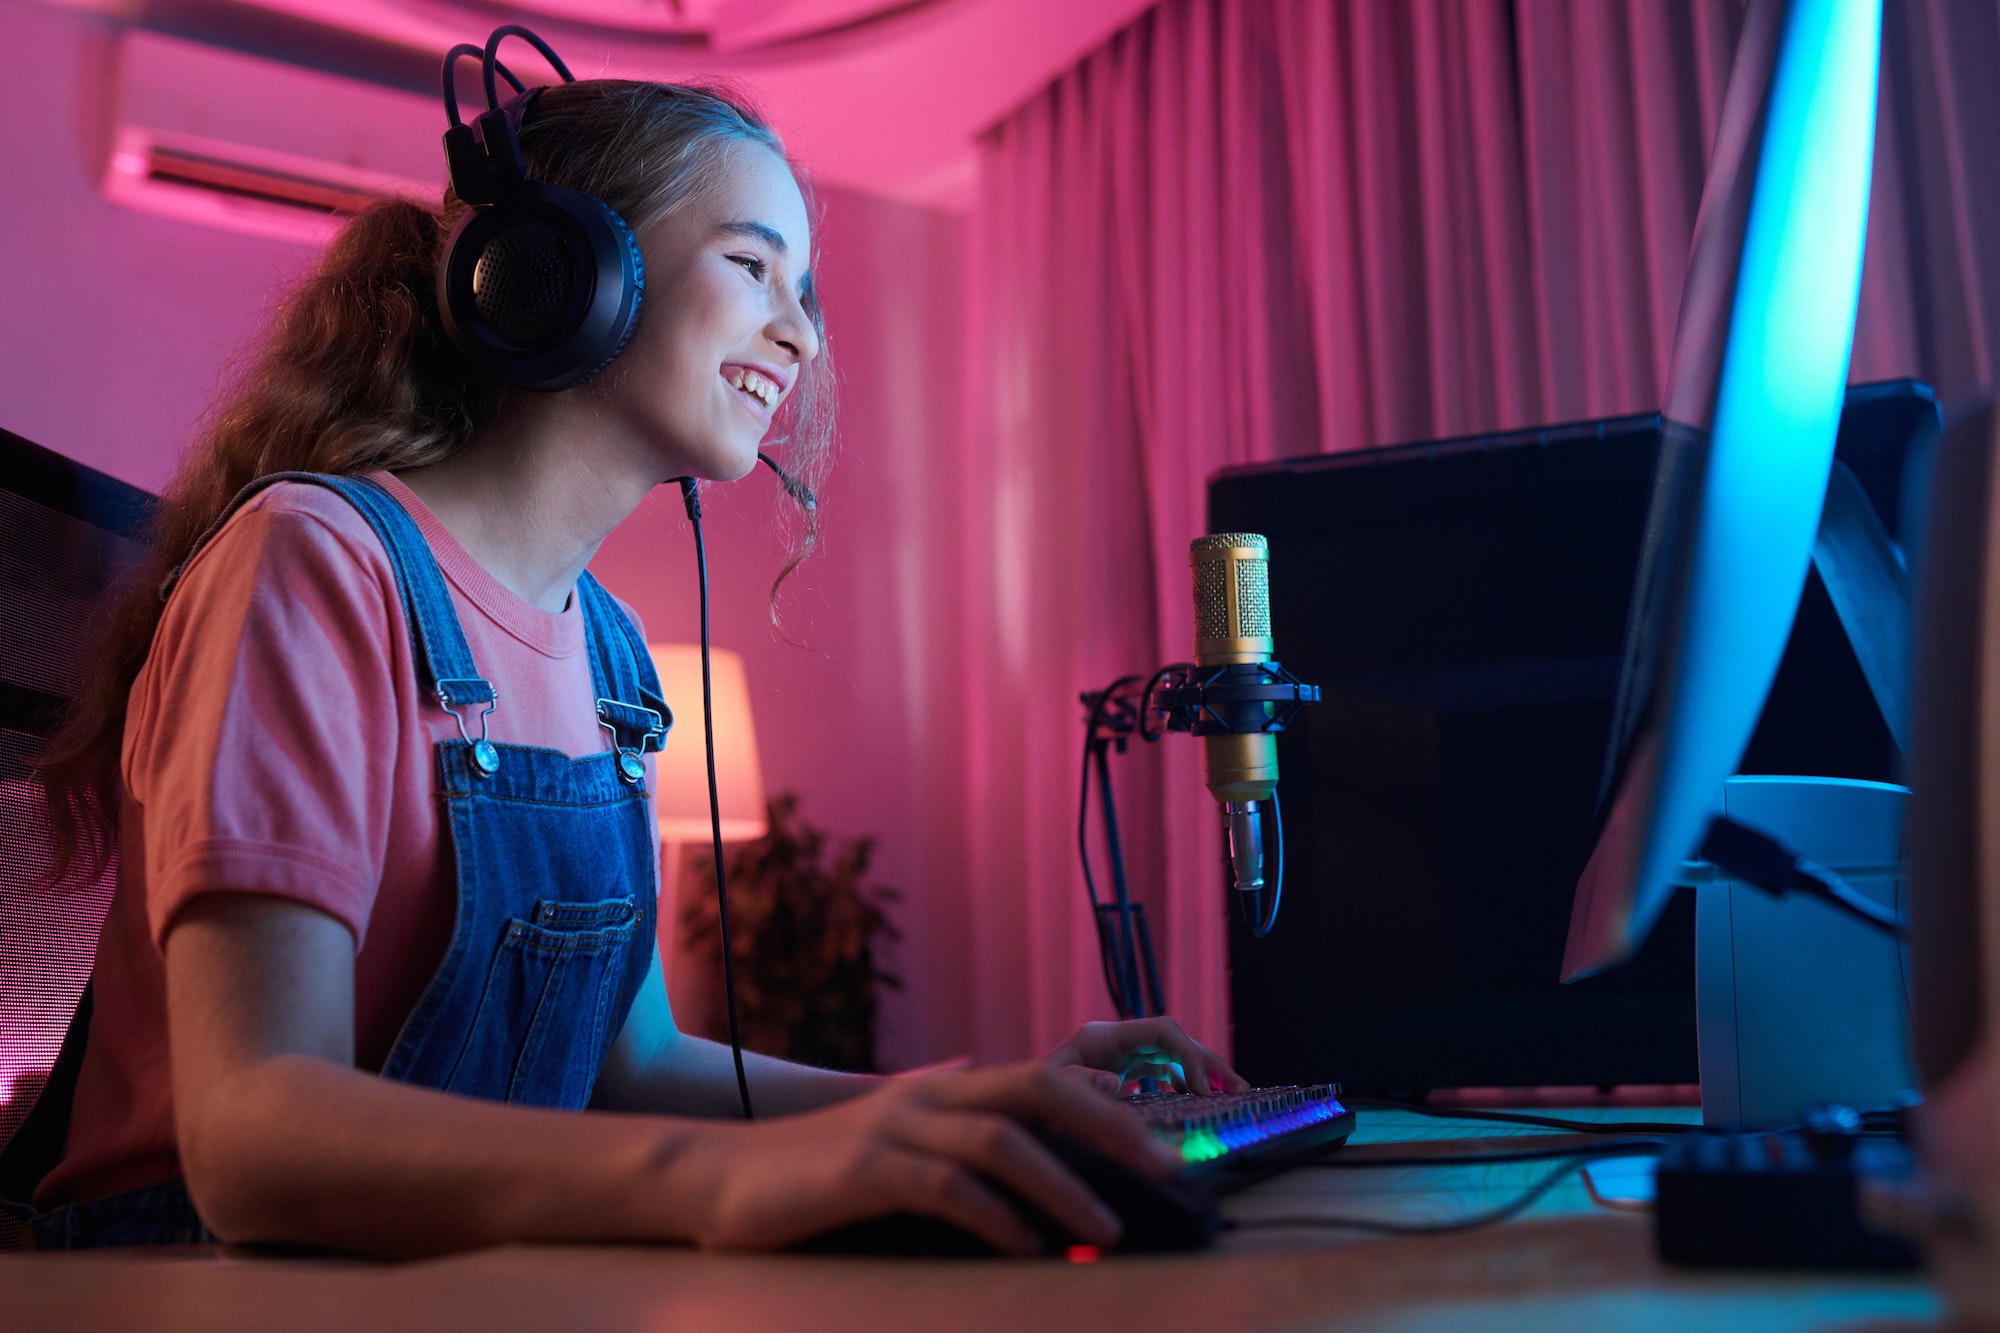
(1214, 557)
(1228, 541)
(1253, 598)
(1211, 601)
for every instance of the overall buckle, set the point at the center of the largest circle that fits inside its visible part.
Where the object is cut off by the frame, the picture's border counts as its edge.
(621, 719)
(485, 756)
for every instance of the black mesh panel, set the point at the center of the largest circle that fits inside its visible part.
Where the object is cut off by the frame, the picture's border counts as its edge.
(55, 573)
(523, 283)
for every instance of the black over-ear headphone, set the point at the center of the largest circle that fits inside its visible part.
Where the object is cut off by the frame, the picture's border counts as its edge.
(540, 286)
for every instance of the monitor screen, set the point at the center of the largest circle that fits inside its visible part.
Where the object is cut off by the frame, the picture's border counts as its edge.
(1752, 408)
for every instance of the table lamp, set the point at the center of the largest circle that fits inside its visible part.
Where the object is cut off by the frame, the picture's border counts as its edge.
(680, 799)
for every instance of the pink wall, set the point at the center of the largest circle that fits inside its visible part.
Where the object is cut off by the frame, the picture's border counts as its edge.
(115, 328)
(113, 325)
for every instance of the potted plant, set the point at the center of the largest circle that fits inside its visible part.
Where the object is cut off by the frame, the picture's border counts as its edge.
(806, 930)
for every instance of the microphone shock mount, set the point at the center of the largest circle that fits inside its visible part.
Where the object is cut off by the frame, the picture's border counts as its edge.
(1250, 700)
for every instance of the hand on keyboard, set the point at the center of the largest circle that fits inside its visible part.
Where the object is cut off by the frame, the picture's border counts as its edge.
(943, 1145)
(1111, 1055)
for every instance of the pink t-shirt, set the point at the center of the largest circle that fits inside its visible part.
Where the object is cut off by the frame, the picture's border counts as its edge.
(277, 744)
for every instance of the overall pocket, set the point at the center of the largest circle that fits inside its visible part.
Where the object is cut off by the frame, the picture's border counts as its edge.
(539, 1029)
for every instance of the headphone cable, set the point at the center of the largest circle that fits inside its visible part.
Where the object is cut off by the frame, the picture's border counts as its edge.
(691, 497)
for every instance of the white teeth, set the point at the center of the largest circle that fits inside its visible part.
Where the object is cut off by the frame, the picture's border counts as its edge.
(751, 382)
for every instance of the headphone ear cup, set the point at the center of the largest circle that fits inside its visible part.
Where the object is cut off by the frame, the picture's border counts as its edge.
(543, 289)
(632, 268)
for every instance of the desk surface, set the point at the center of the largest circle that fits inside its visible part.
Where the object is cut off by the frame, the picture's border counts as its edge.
(1566, 1263)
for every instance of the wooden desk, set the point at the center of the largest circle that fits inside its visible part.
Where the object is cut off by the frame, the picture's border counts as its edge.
(1567, 1264)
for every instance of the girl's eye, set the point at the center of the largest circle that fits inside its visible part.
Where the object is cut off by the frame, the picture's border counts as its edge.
(751, 265)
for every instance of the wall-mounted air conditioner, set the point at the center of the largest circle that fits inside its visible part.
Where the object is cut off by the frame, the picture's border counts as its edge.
(223, 139)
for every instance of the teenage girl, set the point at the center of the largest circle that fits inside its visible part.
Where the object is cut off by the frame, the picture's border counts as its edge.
(379, 971)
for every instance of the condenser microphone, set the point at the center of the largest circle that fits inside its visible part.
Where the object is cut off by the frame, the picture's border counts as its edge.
(1232, 617)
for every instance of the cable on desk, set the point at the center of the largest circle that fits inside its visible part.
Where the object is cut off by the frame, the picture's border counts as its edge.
(1632, 1147)
(1383, 1226)
(1522, 1118)
(1616, 1205)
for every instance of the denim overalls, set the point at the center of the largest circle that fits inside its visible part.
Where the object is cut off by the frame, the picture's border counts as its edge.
(556, 888)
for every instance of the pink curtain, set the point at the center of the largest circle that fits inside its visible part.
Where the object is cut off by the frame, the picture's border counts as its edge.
(1243, 231)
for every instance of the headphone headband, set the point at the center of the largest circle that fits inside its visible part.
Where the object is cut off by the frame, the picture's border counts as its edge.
(539, 285)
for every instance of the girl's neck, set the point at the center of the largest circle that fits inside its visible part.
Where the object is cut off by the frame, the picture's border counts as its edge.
(532, 498)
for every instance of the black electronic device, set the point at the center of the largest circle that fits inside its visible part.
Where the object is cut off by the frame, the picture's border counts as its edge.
(1778, 1200)
(1462, 605)
(1159, 1215)
(539, 285)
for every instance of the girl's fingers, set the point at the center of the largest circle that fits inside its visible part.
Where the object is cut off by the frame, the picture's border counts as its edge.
(1037, 1095)
(1158, 1068)
(1101, 1080)
(931, 1184)
(1209, 1072)
(1203, 1069)
(999, 1149)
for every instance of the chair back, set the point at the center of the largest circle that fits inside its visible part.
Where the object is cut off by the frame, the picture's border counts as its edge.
(69, 536)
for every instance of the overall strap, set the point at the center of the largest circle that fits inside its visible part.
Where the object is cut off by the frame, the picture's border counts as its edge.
(629, 704)
(445, 670)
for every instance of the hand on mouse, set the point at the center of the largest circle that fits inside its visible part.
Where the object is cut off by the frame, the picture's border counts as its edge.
(1110, 1055)
(919, 1145)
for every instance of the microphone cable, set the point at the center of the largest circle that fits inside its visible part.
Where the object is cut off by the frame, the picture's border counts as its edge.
(1560, 1123)
(691, 497)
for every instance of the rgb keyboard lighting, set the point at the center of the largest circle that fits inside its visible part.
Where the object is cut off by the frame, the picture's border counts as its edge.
(1206, 1128)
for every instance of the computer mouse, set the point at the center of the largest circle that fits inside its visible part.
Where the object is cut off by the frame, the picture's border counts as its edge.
(1160, 1216)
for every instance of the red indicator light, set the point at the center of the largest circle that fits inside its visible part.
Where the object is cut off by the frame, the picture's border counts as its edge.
(1083, 1254)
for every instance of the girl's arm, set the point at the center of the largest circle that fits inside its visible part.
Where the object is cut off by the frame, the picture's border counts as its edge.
(654, 1066)
(283, 1140)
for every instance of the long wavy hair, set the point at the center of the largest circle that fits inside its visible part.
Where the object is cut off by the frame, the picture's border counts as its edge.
(356, 374)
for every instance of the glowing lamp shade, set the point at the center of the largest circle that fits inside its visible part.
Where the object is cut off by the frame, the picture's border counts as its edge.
(682, 799)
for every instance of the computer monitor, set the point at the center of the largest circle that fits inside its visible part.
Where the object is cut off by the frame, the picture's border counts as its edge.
(1753, 405)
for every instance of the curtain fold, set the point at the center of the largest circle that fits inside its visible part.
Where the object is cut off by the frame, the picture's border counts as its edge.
(1246, 231)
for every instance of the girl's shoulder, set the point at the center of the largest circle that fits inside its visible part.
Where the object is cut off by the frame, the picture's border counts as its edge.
(292, 553)
(295, 526)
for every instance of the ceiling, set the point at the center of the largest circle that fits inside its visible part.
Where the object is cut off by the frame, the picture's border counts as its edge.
(886, 96)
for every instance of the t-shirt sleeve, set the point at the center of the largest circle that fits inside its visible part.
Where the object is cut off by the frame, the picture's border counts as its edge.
(261, 741)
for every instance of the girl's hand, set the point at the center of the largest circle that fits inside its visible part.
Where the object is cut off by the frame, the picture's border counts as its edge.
(1110, 1055)
(935, 1145)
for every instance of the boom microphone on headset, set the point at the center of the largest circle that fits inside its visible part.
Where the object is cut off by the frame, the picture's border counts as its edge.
(800, 492)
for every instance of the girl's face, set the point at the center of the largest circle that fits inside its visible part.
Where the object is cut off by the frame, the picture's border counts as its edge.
(725, 333)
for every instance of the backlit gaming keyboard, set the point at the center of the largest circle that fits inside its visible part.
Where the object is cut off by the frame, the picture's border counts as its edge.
(1237, 1136)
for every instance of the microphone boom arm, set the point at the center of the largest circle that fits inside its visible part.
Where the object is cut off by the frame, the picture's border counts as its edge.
(1243, 698)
